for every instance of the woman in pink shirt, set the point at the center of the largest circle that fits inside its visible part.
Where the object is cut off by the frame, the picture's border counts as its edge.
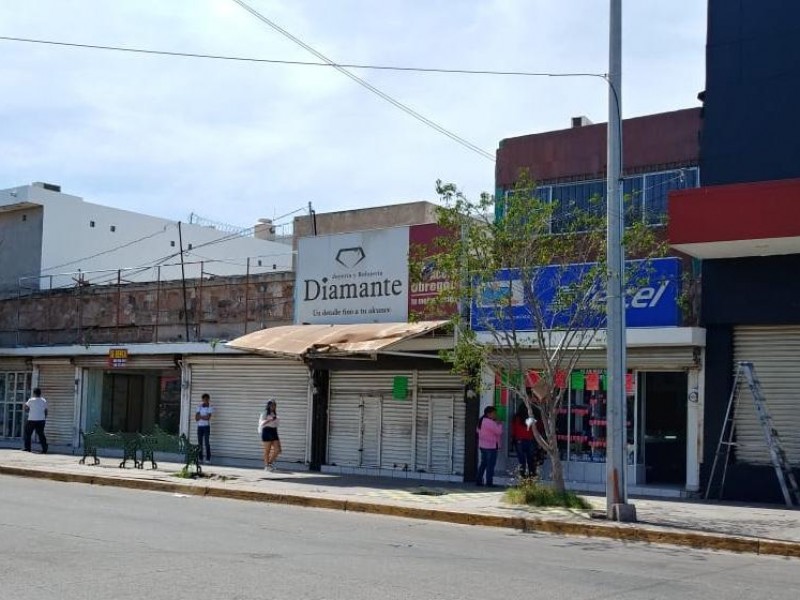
(490, 433)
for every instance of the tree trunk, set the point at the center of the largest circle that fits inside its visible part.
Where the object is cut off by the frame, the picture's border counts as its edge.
(557, 469)
(556, 466)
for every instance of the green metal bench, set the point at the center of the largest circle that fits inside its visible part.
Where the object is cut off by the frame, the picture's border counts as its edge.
(160, 441)
(100, 438)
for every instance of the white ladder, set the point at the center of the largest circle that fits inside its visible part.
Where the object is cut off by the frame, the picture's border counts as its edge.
(786, 479)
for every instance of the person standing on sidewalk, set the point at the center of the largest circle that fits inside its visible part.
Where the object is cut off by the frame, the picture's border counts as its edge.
(36, 408)
(268, 426)
(490, 433)
(522, 438)
(203, 418)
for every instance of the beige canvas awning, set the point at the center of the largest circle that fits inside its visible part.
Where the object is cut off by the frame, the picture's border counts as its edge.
(307, 341)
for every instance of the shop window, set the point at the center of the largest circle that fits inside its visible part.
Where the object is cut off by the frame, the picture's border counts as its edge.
(136, 402)
(15, 389)
(169, 404)
(581, 422)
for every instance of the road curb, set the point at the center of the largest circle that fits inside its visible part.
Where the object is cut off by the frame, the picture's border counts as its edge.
(627, 533)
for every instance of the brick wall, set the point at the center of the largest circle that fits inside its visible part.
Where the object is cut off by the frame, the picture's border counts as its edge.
(217, 308)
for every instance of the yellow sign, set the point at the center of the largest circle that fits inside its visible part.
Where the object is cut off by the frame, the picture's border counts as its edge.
(117, 357)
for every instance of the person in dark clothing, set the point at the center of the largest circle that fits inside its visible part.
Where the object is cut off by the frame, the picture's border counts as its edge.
(524, 443)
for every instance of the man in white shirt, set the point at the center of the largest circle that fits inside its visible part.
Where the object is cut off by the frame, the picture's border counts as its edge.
(203, 418)
(36, 409)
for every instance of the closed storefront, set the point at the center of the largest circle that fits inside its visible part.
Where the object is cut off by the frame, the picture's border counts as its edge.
(240, 387)
(775, 354)
(441, 399)
(56, 378)
(750, 310)
(410, 421)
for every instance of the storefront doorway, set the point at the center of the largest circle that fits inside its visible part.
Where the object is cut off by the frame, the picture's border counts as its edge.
(15, 389)
(133, 401)
(664, 395)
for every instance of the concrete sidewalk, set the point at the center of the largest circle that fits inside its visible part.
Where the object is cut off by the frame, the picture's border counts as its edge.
(739, 528)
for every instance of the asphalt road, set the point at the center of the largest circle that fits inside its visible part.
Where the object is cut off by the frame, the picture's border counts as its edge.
(73, 541)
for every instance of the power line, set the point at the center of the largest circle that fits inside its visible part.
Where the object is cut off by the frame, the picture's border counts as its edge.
(365, 84)
(341, 67)
(109, 251)
(297, 63)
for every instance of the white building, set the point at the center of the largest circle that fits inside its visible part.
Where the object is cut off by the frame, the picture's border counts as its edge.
(49, 239)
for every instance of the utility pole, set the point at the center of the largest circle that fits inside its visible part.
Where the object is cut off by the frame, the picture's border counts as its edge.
(313, 218)
(183, 284)
(617, 506)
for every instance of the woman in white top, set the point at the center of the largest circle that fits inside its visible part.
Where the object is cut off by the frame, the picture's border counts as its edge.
(268, 426)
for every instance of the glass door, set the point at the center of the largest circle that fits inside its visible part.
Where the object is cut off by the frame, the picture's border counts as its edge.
(15, 389)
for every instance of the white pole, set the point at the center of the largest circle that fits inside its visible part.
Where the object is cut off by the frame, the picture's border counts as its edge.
(616, 484)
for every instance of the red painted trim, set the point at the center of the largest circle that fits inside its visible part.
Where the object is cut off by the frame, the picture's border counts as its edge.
(746, 211)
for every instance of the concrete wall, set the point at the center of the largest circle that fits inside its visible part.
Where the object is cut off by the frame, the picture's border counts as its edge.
(219, 308)
(346, 221)
(20, 245)
(99, 240)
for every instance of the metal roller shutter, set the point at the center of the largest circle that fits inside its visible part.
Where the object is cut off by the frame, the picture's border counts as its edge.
(344, 428)
(240, 388)
(423, 446)
(459, 434)
(444, 393)
(775, 353)
(57, 382)
(439, 380)
(396, 429)
(370, 434)
(367, 427)
(441, 410)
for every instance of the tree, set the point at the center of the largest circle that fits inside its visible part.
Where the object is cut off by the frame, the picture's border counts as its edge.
(533, 270)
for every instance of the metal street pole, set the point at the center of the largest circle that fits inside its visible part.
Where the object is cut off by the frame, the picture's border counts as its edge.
(617, 506)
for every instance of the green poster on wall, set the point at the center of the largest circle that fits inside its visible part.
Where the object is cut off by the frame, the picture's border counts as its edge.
(400, 387)
(577, 380)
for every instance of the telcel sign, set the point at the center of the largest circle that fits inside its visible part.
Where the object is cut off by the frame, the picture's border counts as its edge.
(651, 299)
(353, 277)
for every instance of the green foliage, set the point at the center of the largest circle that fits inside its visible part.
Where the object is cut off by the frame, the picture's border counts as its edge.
(531, 492)
(184, 473)
(530, 233)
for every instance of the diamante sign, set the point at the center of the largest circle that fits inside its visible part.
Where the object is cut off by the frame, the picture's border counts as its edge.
(353, 277)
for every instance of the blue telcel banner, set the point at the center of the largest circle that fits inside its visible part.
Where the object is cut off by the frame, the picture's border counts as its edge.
(653, 288)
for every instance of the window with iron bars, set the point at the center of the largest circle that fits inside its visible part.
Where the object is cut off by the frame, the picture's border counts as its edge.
(645, 197)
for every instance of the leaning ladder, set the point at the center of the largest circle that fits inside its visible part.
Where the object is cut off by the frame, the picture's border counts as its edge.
(786, 479)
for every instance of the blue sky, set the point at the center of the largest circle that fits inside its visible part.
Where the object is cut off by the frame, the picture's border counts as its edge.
(235, 141)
